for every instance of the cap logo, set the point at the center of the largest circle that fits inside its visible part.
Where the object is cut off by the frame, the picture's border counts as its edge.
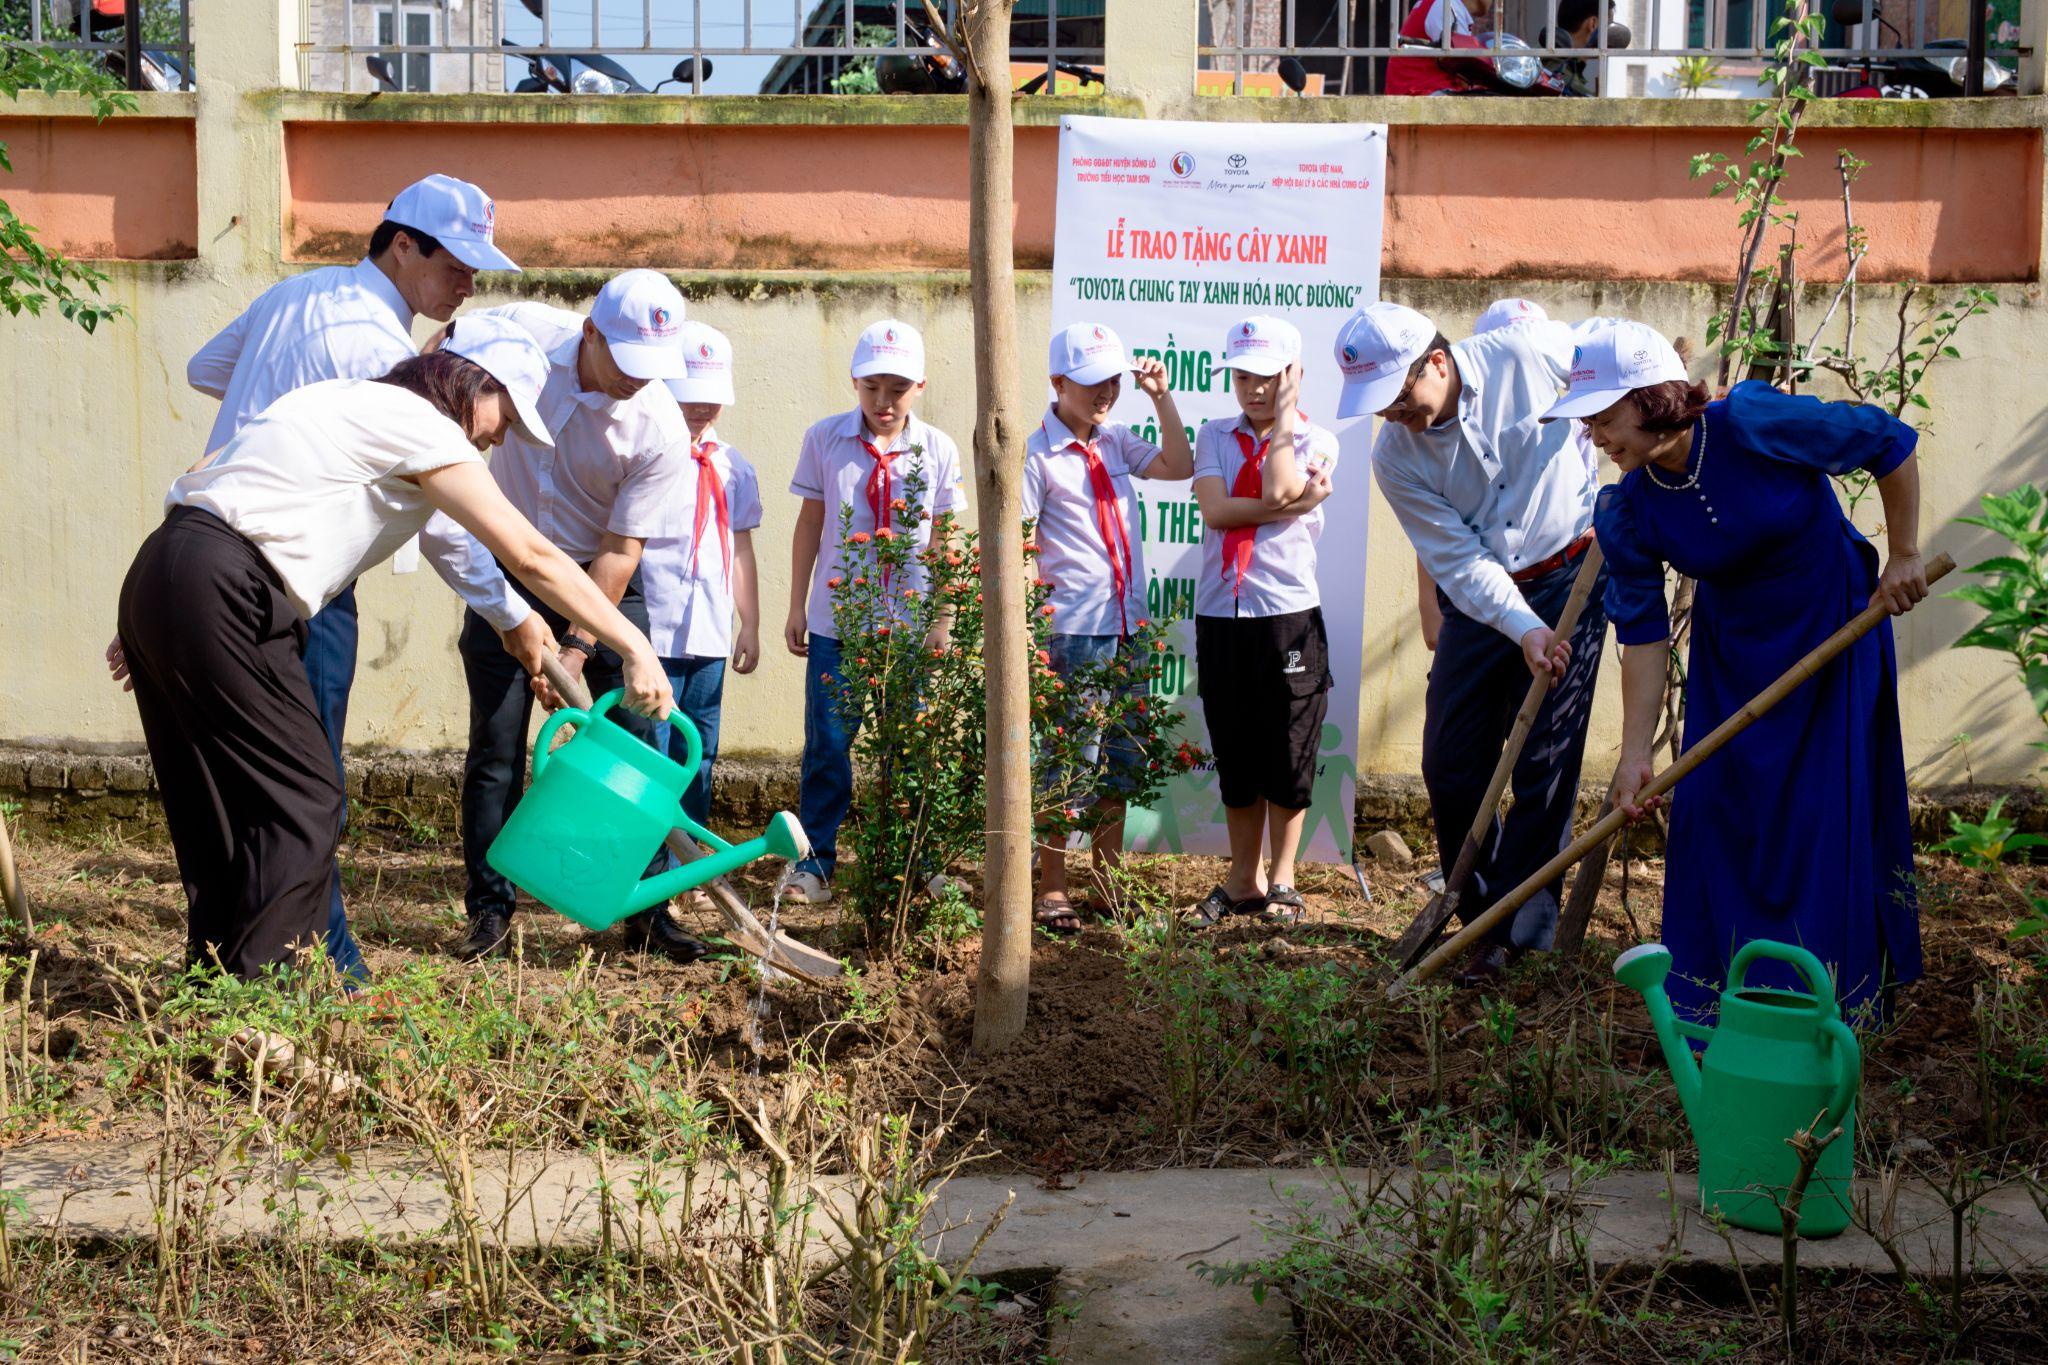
(888, 334)
(1641, 357)
(704, 349)
(1350, 355)
(490, 223)
(1099, 336)
(661, 317)
(1183, 164)
(1247, 330)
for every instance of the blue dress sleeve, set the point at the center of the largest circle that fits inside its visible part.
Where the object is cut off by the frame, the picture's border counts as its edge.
(1832, 437)
(1634, 597)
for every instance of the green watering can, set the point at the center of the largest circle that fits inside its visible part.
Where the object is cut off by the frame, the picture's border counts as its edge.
(597, 810)
(1775, 1063)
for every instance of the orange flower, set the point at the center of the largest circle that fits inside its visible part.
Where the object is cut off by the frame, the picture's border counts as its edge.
(1044, 657)
(953, 557)
(884, 533)
(910, 594)
(899, 505)
(1046, 610)
(883, 632)
(1030, 547)
(1159, 646)
(858, 538)
(863, 662)
(834, 581)
(861, 582)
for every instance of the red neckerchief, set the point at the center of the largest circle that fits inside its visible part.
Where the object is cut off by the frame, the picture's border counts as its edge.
(1238, 541)
(710, 495)
(882, 484)
(1109, 521)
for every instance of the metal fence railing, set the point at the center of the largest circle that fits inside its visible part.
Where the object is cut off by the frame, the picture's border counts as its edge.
(143, 44)
(1585, 47)
(688, 46)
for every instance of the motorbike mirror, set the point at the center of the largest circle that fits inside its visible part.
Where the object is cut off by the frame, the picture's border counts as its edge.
(381, 69)
(1293, 74)
(1618, 36)
(690, 70)
(1849, 13)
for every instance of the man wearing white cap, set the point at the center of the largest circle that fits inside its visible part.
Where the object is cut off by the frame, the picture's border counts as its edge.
(323, 483)
(698, 579)
(607, 483)
(1500, 509)
(856, 461)
(355, 322)
(1078, 467)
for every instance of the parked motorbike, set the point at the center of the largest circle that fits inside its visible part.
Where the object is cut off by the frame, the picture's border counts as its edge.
(1513, 68)
(159, 68)
(1879, 76)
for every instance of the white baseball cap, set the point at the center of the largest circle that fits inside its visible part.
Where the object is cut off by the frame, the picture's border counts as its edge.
(1087, 353)
(707, 361)
(1502, 312)
(456, 214)
(1376, 347)
(889, 347)
(510, 355)
(1261, 345)
(640, 316)
(1612, 362)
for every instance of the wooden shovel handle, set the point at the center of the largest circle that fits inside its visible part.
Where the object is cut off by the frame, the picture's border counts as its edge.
(1857, 627)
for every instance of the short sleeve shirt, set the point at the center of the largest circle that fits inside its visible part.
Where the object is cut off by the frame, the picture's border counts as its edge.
(318, 481)
(1282, 576)
(833, 466)
(615, 465)
(1072, 553)
(688, 585)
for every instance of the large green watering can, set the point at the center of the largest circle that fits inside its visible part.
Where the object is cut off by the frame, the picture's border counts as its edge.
(1777, 1062)
(599, 807)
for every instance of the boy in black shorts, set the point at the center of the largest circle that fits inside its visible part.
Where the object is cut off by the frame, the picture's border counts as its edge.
(1261, 655)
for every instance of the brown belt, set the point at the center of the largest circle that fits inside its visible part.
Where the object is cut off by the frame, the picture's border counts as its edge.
(1556, 561)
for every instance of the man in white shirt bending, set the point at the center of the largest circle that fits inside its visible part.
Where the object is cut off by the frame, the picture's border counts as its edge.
(355, 322)
(1499, 507)
(612, 480)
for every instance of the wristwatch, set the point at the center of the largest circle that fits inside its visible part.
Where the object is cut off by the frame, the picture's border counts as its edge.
(583, 647)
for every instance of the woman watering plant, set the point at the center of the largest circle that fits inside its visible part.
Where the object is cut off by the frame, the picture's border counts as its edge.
(1797, 831)
(327, 481)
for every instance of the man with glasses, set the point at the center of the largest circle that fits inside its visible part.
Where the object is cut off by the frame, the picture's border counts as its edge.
(1499, 507)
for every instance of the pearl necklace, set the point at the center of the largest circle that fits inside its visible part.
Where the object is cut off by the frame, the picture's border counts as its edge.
(1692, 481)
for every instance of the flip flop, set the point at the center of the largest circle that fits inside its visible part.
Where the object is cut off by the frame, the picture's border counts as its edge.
(1056, 916)
(1283, 905)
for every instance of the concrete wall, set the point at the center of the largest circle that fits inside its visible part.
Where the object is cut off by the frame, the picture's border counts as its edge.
(95, 427)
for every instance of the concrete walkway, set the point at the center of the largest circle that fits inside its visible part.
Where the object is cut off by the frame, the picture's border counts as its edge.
(1125, 1245)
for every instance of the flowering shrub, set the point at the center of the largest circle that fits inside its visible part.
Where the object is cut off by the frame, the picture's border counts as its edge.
(910, 625)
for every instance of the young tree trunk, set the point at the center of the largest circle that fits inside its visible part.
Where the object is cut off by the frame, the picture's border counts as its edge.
(1004, 983)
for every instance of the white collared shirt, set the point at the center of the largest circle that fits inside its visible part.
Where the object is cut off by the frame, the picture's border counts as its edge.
(1072, 557)
(614, 465)
(1493, 490)
(1282, 575)
(689, 612)
(318, 481)
(337, 322)
(832, 467)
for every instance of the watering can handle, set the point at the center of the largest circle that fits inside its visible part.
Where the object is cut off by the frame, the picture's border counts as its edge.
(1849, 1071)
(566, 716)
(1806, 964)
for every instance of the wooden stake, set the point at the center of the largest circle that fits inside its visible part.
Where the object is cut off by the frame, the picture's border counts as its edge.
(12, 892)
(1430, 922)
(1858, 626)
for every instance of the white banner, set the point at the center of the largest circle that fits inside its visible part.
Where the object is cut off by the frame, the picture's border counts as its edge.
(1169, 233)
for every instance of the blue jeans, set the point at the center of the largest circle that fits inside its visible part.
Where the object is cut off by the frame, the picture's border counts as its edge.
(827, 782)
(699, 687)
(331, 668)
(1117, 756)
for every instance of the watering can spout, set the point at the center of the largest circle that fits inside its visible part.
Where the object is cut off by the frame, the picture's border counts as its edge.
(1643, 969)
(784, 838)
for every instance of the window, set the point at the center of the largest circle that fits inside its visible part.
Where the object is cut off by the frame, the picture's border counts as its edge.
(415, 70)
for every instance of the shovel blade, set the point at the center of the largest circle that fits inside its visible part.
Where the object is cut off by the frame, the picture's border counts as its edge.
(1423, 932)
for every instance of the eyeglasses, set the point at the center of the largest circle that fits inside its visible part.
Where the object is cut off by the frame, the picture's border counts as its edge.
(1400, 403)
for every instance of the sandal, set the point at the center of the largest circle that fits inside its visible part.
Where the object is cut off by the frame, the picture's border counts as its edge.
(1217, 906)
(1056, 916)
(1284, 905)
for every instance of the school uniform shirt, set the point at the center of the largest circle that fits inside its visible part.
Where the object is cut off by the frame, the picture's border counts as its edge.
(337, 322)
(1491, 490)
(318, 481)
(1073, 554)
(616, 465)
(833, 466)
(1281, 577)
(687, 582)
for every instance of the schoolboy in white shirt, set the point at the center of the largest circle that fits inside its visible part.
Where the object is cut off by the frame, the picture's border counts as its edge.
(699, 579)
(1078, 467)
(858, 460)
(1261, 654)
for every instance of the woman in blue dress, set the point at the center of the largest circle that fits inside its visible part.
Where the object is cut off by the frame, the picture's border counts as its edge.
(1797, 830)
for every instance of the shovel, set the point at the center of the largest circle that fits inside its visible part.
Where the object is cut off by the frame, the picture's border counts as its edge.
(1605, 828)
(746, 932)
(1437, 913)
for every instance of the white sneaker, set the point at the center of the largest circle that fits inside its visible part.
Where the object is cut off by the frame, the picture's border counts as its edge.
(813, 889)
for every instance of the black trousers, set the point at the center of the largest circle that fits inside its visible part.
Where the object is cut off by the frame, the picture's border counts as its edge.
(1477, 681)
(500, 712)
(249, 784)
